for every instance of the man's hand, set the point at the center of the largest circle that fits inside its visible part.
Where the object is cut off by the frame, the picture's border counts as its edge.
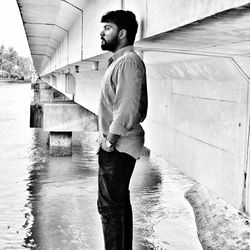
(105, 147)
(112, 138)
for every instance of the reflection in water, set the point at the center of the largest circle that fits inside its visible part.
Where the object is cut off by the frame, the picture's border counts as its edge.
(63, 196)
(50, 202)
(146, 187)
(14, 157)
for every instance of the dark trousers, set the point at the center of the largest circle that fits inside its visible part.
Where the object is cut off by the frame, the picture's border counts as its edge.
(115, 171)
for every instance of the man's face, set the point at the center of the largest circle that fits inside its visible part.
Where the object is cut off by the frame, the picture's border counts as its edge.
(109, 37)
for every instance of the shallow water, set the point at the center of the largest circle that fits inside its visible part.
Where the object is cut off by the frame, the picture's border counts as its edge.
(50, 202)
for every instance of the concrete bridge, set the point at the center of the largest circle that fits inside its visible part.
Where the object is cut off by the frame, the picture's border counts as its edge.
(198, 69)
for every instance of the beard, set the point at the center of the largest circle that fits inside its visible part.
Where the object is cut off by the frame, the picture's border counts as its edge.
(109, 45)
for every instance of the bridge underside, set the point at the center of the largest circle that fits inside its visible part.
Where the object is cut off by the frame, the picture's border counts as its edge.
(198, 69)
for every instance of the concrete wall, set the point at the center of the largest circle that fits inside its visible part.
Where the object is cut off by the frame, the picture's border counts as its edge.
(198, 106)
(161, 15)
(88, 89)
(64, 53)
(75, 40)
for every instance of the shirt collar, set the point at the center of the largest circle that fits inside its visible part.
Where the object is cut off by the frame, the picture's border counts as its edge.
(120, 53)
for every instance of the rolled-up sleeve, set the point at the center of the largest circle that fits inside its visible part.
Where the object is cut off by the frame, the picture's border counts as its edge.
(128, 84)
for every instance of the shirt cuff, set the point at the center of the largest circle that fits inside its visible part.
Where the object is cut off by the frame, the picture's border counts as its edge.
(118, 129)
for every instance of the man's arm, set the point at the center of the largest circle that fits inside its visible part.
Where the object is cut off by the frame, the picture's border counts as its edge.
(129, 80)
(108, 144)
(112, 138)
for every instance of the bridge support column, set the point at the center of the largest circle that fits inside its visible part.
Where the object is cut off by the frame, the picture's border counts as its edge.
(54, 112)
(60, 143)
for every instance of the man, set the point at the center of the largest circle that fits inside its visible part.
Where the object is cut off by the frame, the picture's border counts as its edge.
(123, 106)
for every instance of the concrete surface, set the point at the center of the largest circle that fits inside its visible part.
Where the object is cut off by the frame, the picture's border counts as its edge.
(220, 226)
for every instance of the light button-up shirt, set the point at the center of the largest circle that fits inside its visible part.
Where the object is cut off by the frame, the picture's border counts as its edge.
(123, 101)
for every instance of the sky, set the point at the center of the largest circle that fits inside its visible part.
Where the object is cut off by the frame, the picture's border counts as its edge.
(12, 33)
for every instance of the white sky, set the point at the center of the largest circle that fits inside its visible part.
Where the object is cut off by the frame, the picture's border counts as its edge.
(12, 33)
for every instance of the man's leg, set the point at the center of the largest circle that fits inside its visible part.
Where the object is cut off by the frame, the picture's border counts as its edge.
(115, 171)
(128, 223)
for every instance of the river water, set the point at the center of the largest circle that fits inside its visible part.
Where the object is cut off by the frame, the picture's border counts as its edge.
(50, 202)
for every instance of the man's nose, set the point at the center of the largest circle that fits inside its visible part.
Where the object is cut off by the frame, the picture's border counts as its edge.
(102, 33)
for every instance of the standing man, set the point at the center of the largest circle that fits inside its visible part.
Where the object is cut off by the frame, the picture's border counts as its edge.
(123, 106)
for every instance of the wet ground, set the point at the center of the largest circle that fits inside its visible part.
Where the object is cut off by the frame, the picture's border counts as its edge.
(50, 202)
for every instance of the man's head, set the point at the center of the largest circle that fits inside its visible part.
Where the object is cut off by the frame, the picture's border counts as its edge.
(119, 30)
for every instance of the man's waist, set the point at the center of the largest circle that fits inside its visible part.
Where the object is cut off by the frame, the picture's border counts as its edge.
(135, 131)
(130, 144)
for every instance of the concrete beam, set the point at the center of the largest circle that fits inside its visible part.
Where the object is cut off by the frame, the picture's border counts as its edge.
(76, 37)
(43, 92)
(54, 112)
(65, 116)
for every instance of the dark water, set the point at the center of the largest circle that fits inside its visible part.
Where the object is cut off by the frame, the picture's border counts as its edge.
(50, 202)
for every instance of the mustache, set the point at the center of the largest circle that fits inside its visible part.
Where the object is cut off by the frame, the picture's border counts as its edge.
(103, 39)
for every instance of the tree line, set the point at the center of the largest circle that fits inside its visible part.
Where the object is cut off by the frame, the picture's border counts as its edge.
(14, 66)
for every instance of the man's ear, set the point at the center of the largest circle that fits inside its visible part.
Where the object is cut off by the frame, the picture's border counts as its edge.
(122, 34)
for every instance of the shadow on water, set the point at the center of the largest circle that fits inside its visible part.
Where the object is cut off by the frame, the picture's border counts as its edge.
(146, 185)
(38, 156)
(63, 197)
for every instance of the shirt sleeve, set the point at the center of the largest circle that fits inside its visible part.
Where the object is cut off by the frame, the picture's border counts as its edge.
(129, 79)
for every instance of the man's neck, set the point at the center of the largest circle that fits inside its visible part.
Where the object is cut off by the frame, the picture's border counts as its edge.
(120, 46)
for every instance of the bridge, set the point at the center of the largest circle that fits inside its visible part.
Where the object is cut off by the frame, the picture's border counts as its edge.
(198, 70)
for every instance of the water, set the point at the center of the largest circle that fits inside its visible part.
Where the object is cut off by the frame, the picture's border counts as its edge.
(50, 202)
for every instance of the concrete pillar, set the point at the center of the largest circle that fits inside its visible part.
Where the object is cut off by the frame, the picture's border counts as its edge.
(46, 95)
(43, 84)
(42, 92)
(58, 96)
(53, 111)
(35, 85)
(36, 115)
(69, 84)
(36, 96)
(60, 143)
(33, 78)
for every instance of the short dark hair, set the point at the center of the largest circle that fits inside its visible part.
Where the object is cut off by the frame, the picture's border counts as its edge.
(124, 19)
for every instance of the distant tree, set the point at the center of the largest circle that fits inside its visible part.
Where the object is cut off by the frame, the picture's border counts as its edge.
(25, 66)
(16, 66)
(1, 54)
